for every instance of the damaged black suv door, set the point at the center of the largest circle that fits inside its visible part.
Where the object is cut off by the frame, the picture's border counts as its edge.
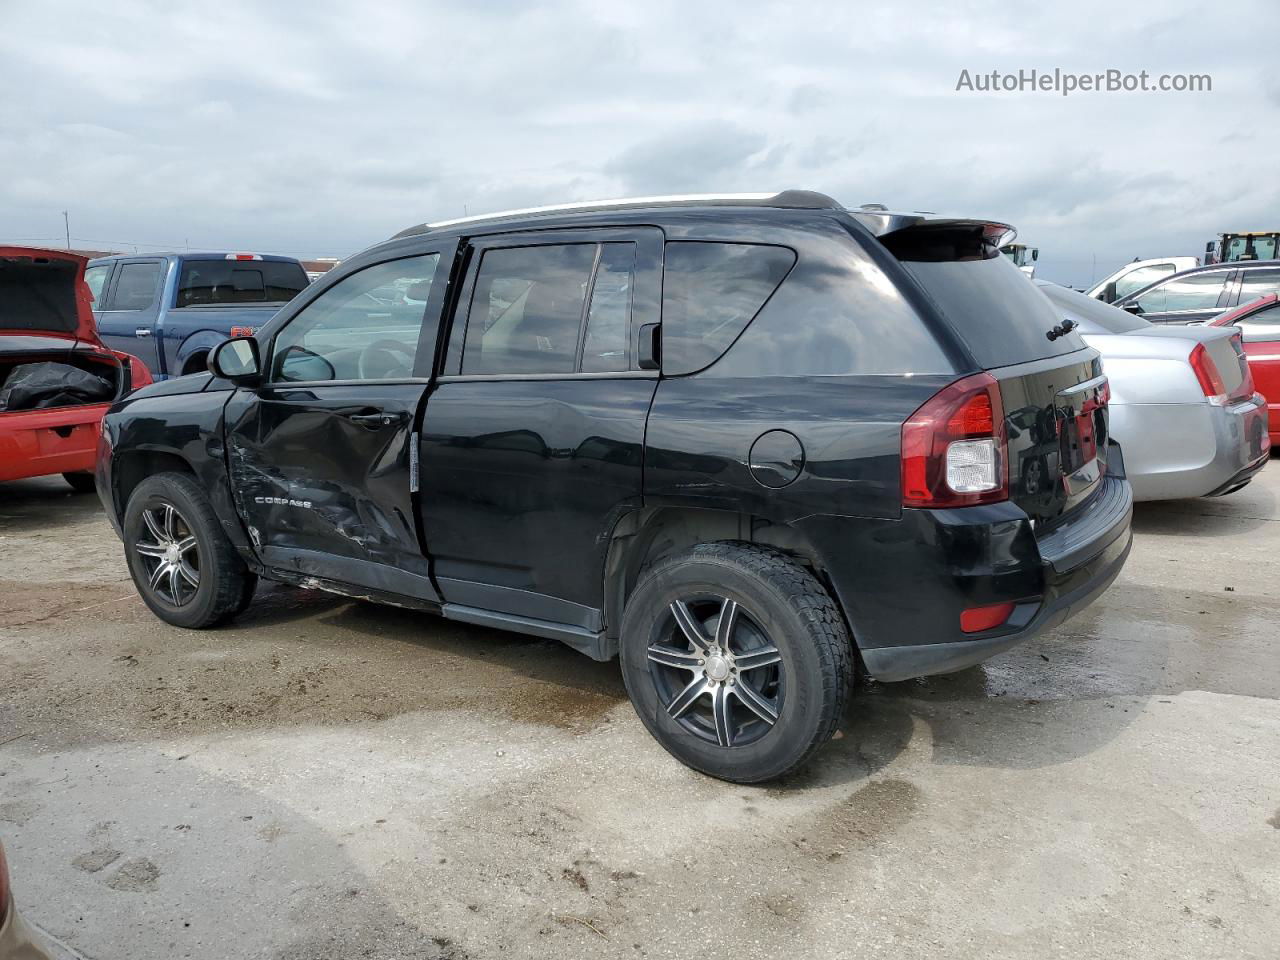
(322, 455)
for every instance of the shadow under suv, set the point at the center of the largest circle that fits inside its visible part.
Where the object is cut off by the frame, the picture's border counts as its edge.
(744, 444)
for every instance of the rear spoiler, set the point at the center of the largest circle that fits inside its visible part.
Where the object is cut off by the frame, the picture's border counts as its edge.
(916, 237)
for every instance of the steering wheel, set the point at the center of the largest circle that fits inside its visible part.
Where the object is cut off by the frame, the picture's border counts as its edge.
(379, 360)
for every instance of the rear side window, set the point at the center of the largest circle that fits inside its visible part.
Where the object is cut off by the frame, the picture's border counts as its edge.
(999, 313)
(135, 287)
(710, 292)
(239, 281)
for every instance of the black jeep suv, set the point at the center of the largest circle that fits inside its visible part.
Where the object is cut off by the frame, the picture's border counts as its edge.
(743, 443)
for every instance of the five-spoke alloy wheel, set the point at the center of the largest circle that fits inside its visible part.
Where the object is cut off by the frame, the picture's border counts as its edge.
(736, 659)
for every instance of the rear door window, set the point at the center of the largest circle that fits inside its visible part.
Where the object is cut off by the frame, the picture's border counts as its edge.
(526, 311)
(605, 346)
(135, 287)
(1000, 314)
(710, 292)
(239, 281)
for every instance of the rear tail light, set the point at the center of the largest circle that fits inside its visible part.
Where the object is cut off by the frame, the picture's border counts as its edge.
(1210, 377)
(954, 448)
(977, 619)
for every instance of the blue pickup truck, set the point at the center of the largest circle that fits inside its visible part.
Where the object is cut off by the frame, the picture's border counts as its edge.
(171, 309)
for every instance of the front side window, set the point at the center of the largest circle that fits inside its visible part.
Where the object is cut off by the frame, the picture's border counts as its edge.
(239, 281)
(1135, 280)
(96, 278)
(710, 292)
(1262, 326)
(135, 287)
(1256, 283)
(365, 327)
(1199, 291)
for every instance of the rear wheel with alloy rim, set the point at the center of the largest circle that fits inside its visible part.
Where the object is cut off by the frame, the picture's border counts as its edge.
(184, 567)
(736, 659)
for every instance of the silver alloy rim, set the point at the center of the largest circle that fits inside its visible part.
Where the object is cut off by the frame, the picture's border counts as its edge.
(735, 694)
(169, 554)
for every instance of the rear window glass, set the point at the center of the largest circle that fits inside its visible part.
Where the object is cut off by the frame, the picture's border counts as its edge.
(1094, 316)
(710, 292)
(998, 312)
(239, 281)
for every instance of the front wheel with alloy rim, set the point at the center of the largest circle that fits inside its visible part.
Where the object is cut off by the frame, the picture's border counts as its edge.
(184, 567)
(736, 659)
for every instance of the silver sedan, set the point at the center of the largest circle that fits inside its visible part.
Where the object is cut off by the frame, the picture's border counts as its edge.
(1183, 407)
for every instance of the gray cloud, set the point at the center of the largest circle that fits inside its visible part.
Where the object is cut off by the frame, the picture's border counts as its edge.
(319, 128)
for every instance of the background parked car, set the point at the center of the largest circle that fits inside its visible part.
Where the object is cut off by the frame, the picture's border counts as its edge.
(172, 309)
(57, 378)
(1201, 293)
(1183, 406)
(1259, 323)
(1134, 276)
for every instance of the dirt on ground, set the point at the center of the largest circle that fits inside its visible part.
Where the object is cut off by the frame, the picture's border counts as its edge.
(333, 779)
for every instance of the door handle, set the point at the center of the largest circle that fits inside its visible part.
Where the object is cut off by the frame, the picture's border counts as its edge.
(377, 419)
(142, 332)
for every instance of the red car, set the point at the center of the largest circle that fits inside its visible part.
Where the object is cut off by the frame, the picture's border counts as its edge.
(57, 378)
(1259, 323)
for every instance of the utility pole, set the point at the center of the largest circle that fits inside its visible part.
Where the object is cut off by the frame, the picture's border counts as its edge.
(66, 222)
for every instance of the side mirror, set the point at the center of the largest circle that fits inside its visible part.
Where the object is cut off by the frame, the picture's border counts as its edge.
(649, 356)
(1109, 294)
(237, 361)
(1132, 307)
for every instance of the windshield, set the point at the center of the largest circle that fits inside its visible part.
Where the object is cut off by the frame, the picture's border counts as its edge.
(1094, 316)
(206, 282)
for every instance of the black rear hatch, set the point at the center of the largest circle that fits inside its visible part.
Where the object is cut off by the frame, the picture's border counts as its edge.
(1051, 384)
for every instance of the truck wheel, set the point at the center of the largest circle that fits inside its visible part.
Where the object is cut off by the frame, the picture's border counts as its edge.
(736, 659)
(80, 482)
(182, 563)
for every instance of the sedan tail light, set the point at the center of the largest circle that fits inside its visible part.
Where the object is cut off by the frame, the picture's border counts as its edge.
(955, 447)
(1206, 372)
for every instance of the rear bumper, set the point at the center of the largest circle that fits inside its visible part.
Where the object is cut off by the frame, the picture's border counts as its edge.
(37, 443)
(1182, 450)
(1078, 561)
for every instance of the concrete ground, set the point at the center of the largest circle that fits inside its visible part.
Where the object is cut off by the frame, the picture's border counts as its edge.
(326, 779)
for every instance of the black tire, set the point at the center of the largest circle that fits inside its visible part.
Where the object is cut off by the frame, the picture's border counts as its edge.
(223, 583)
(778, 605)
(80, 482)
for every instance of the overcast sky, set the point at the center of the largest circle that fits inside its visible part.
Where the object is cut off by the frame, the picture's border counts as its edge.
(319, 128)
